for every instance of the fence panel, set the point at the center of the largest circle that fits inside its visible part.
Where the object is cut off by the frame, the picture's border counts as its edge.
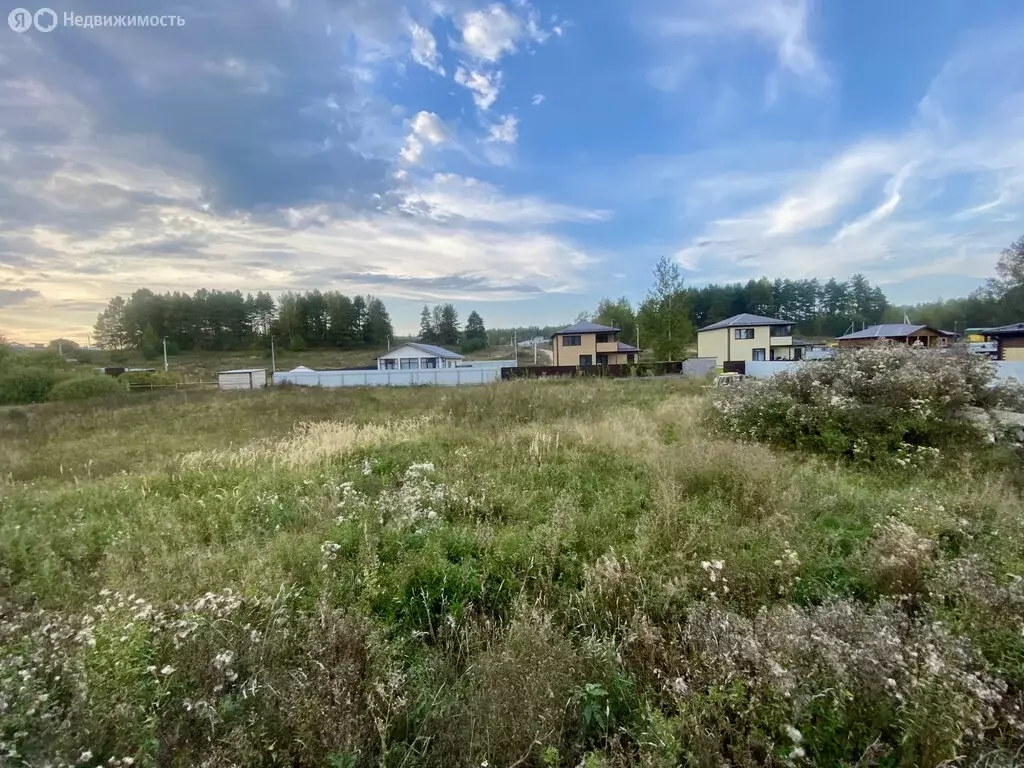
(1008, 369)
(445, 377)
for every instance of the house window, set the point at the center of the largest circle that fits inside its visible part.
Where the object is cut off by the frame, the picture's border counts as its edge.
(744, 333)
(604, 338)
(758, 355)
(630, 358)
(389, 364)
(572, 341)
(409, 363)
(782, 330)
(428, 362)
(586, 360)
(602, 359)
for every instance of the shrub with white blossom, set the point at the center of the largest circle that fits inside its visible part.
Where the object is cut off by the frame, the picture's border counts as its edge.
(885, 403)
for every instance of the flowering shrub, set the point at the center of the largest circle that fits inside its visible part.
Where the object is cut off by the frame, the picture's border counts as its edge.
(892, 404)
(830, 683)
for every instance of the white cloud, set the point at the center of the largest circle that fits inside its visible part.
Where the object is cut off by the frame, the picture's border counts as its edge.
(506, 131)
(485, 87)
(447, 197)
(883, 211)
(426, 129)
(779, 25)
(490, 33)
(424, 49)
(942, 197)
(817, 201)
(538, 99)
(456, 239)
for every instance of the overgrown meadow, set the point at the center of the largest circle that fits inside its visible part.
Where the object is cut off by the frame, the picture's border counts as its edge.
(528, 574)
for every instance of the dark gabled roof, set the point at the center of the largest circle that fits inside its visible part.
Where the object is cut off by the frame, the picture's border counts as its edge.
(430, 349)
(745, 320)
(623, 347)
(585, 327)
(1013, 329)
(889, 331)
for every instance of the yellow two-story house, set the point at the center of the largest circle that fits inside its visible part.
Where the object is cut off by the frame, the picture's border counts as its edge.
(590, 344)
(748, 337)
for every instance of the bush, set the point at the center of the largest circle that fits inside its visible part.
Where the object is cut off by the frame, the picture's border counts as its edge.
(29, 384)
(298, 344)
(877, 404)
(85, 386)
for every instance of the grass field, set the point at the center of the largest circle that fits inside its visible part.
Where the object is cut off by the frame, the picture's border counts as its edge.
(533, 573)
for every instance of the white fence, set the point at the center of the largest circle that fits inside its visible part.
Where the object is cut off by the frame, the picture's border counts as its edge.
(699, 366)
(486, 365)
(1006, 369)
(441, 377)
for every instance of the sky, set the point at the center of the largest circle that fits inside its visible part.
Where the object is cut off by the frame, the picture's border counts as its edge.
(520, 158)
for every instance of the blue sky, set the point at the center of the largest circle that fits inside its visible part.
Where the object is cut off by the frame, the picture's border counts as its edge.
(520, 158)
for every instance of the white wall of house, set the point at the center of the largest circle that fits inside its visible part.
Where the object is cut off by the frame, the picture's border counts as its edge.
(724, 345)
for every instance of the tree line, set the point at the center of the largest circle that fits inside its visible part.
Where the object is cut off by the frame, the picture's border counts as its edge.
(440, 325)
(671, 313)
(227, 320)
(999, 302)
(669, 316)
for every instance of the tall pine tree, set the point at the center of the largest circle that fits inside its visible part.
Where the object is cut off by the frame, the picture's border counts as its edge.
(475, 337)
(428, 331)
(448, 328)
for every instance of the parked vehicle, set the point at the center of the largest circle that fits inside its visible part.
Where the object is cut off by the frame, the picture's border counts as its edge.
(729, 379)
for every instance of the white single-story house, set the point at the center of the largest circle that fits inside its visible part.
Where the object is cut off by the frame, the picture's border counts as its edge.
(244, 378)
(414, 356)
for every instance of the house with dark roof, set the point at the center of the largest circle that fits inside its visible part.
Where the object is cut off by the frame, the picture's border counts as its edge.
(896, 333)
(748, 337)
(413, 356)
(1010, 341)
(588, 343)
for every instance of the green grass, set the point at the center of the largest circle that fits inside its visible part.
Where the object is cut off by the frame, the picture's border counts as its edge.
(523, 574)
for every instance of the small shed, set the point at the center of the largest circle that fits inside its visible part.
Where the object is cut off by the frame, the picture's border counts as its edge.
(244, 378)
(1010, 341)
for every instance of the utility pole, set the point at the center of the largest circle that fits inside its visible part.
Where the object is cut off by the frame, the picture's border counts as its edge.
(534, 351)
(273, 359)
(165, 354)
(60, 347)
